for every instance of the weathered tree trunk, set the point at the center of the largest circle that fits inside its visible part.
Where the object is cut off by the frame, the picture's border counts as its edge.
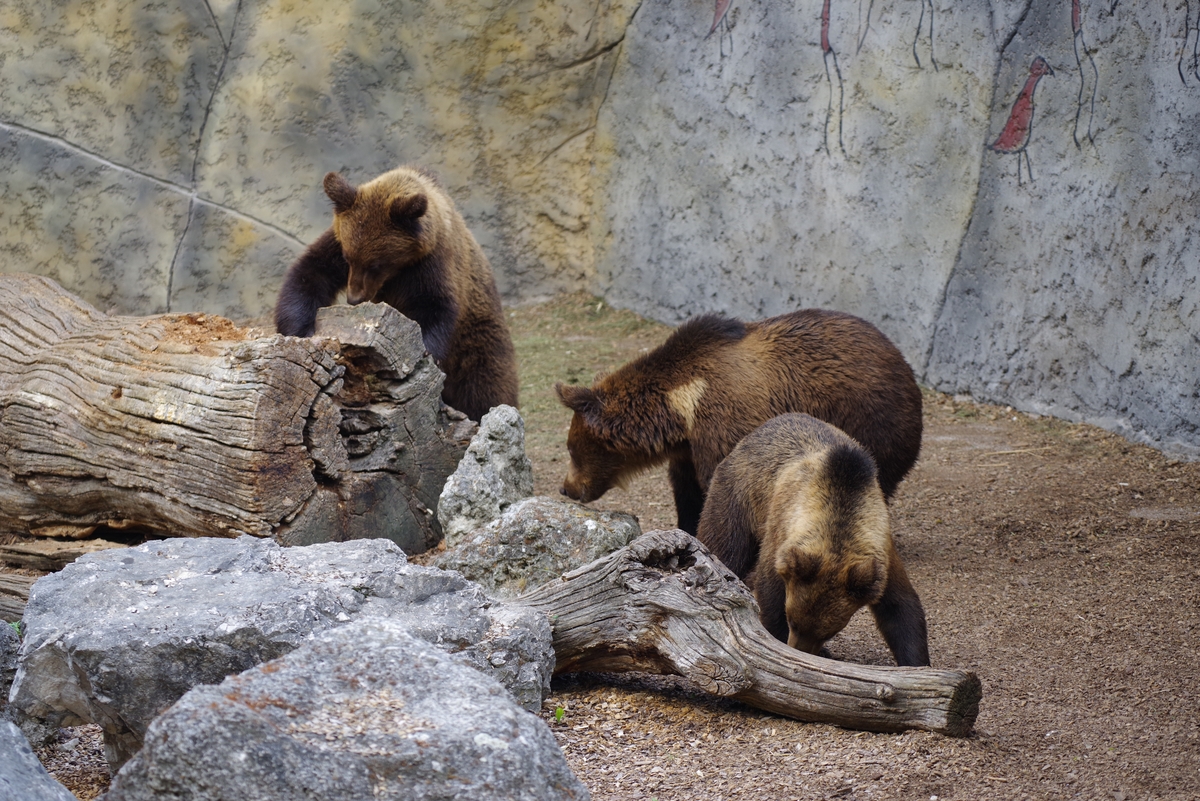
(665, 605)
(185, 424)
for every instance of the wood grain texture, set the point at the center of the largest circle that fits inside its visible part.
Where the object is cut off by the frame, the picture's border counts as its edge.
(50, 555)
(665, 605)
(14, 593)
(187, 425)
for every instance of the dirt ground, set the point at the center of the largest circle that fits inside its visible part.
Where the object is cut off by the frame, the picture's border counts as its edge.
(1057, 561)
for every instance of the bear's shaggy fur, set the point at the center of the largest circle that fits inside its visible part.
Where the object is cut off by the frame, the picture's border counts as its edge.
(797, 512)
(716, 379)
(399, 240)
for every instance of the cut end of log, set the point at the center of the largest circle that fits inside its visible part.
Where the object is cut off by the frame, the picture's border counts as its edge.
(963, 708)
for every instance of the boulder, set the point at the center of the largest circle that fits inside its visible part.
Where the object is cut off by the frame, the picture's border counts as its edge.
(118, 636)
(537, 540)
(492, 475)
(365, 712)
(22, 777)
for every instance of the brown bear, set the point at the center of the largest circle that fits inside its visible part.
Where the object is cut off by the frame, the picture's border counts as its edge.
(399, 240)
(796, 510)
(716, 379)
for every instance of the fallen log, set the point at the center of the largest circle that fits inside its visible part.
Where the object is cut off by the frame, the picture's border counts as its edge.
(14, 594)
(50, 555)
(185, 424)
(665, 605)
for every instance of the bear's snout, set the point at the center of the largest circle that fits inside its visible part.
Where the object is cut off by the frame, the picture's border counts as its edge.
(575, 492)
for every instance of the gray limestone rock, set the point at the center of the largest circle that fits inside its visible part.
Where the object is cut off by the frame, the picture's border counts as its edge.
(537, 540)
(118, 636)
(22, 777)
(492, 475)
(365, 712)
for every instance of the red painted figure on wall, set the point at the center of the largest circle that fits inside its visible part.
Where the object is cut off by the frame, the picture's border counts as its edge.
(1015, 136)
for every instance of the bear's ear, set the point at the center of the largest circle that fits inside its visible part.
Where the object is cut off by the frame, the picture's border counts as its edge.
(406, 210)
(866, 580)
(798, 566)
(583, 400)
(340, 191)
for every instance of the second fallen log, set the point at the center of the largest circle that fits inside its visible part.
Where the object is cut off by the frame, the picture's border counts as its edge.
(664, 604)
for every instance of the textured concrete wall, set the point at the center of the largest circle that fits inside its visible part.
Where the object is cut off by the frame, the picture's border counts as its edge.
(837, 154)
(168, 156)
(834, 153)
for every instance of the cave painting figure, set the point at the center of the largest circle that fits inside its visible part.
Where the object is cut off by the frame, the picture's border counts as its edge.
(917, 37)
(827, 49)
(1191, 33)
(1015, 136)
(1077, 28)
(720, 15)
(866, 25)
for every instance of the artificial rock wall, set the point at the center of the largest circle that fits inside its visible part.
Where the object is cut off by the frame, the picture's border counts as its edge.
(1007, 188)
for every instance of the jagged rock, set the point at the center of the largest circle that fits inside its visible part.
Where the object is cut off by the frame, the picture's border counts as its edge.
(118, 636)
(536, 540)
(493, 474)
(365, 712)
(22, 777)
(9, 643)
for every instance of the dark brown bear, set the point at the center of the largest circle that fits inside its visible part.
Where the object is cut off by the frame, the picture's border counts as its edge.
(796, 511)
(399, 240)
(716, 379)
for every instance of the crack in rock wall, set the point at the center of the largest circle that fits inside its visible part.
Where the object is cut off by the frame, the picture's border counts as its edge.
(1003, 187)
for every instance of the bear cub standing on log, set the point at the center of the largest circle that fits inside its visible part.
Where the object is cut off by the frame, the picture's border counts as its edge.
(399, 240)
(796, 511)
(716, 379)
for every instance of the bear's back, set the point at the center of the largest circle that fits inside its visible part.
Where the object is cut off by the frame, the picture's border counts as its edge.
(833, 366)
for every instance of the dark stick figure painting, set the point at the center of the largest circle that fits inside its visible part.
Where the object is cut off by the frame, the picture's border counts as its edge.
(917, 36)
(720, 20)
(1015, 136)
(829, 54)
(1191, 33)
(866, 26)
(1077, 28)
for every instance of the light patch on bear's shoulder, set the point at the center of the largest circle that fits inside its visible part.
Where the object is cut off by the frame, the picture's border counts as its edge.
(685, 398)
